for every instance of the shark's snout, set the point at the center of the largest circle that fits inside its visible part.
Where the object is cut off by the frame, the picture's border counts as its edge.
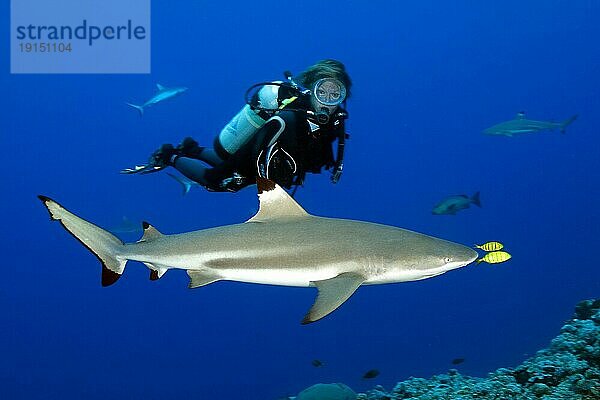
(461, 258)
(468, 257)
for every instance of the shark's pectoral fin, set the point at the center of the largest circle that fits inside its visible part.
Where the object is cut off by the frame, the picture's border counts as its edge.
(202, 278)
(333, 293)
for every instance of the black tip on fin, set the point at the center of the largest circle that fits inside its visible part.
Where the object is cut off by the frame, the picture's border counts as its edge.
(306, 320)
(264, 184)
(44, 198)
(153, 275)
(145, 225)
(109, 277)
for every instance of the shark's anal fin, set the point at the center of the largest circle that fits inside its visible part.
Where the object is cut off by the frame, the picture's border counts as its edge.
(156, 271)
(153, 275)
(333, 293)
(150, 233)
(275, 203)
(201, 278)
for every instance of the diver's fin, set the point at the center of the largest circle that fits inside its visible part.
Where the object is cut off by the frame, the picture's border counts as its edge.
(185, 182)
(201, 278)
(150, 233)
(333, 293)
(156, 271)
(139, 108)
(567, 122)
(160, 87)
(100, 242)
(275, 203)
(475, 199)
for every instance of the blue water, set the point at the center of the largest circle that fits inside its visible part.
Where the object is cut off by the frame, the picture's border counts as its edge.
(428, 78)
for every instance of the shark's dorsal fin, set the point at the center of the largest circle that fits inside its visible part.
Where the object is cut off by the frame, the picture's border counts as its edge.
(160, 87)
(333, 293)
(150, 233)
(520, 115)
(275, 203)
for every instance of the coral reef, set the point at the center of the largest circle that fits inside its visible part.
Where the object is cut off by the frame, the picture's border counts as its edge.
(569, 369)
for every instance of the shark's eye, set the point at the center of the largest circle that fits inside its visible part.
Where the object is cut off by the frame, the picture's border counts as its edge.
(447, 260)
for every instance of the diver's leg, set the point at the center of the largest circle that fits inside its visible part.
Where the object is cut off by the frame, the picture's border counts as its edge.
(193, 169)
(210, 157)
(189, 148)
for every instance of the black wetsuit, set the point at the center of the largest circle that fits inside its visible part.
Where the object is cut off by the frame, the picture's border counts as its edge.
(299, 148)
(296, 151)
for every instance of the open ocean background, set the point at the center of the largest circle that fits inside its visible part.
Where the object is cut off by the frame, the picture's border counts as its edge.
(428, 77)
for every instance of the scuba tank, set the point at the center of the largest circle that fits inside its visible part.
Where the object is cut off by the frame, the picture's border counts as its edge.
(261, 106)
(238, 131)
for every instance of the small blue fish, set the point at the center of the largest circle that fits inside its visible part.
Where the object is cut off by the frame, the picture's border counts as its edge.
(163, 94)
(452, 204)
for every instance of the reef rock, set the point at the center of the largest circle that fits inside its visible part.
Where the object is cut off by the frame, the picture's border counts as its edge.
(567, 370)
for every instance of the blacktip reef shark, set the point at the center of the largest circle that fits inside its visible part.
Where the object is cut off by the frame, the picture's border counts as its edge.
(163, 94)
(281, 245)
(520, 125)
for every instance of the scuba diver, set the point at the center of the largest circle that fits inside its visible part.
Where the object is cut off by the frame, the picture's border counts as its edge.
(285, 130)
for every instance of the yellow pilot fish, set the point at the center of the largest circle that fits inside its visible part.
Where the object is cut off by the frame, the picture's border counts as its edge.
(494, 257)
(490, 246)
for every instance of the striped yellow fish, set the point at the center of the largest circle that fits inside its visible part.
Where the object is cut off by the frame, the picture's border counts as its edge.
(494, 257)
(490, 246)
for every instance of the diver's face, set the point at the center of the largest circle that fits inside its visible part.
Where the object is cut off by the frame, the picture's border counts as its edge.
(329, 92)
(327, 95)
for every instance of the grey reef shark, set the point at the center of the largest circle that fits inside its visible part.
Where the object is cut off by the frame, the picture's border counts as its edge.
(281, 245)
(521, 125)
(162, 94)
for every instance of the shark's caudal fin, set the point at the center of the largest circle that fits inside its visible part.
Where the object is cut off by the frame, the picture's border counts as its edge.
(100, 242)
(567, 122)
(139, 108)
(475, 199)
(185, 182)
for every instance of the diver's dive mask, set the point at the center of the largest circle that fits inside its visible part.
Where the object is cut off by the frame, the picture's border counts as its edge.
(327, 95)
